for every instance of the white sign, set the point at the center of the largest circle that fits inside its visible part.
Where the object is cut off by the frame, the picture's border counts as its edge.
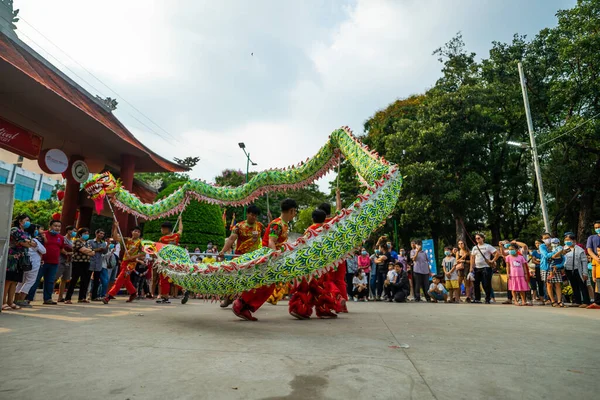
(56, 161)
(80, 171)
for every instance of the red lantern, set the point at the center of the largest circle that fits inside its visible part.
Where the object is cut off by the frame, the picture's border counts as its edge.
(56, 216)
(60, 194)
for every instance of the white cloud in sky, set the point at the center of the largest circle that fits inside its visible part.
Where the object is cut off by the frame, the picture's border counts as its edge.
(317, 65)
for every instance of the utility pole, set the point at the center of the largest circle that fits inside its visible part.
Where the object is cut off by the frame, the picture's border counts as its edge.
(248, 162)
(536, 163)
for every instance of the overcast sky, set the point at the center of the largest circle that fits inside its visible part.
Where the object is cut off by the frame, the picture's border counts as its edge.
(317, 64)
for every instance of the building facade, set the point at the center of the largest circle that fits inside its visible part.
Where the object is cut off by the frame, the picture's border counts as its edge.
(30, 182)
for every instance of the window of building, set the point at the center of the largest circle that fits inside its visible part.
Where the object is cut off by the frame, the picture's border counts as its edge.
(4, 175)
(24, 187)
(46, 191)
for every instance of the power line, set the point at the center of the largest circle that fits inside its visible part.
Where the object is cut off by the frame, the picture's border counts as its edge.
(98, 79)
(570, 130)
(89, 84)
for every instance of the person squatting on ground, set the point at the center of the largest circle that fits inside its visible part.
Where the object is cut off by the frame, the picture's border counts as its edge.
(397, 286)
(437, 291)
(275, 235)
(247, 237)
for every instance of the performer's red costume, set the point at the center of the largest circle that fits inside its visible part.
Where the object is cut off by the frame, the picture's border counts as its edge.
(134, 251)
(322, 294)
(254, 299)
(163, 279)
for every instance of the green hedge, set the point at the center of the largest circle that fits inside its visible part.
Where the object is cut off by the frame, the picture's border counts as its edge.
(202, 223)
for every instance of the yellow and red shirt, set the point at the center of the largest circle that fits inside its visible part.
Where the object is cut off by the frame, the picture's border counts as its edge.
(134, 249)
(278, 229)
(248, 236)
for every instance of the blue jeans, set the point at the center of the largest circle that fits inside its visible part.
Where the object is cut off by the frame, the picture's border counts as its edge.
(48, 271)
(104, 282)
(113, 273)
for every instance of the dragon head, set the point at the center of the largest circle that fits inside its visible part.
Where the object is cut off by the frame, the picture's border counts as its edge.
(100, 186)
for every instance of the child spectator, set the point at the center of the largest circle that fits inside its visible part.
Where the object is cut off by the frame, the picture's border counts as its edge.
(359, 283)
(596, 277)
(437, 291)
(517, 270)
(451, 273)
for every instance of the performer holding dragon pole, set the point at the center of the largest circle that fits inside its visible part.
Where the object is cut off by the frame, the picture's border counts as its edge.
(318, 292)
(248, 235)
(134, 253)
(164, 284)
(275, 235)
(338, 277)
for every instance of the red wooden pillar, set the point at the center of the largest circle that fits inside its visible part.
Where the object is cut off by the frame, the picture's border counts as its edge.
(127, 170)
(85, 217)
(71, 199)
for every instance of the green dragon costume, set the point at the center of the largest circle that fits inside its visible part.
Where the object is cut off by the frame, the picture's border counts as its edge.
(317, 252)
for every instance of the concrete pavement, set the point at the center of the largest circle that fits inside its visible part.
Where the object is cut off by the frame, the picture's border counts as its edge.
(199, 351)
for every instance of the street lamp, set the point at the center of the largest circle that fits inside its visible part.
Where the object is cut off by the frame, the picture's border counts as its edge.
(248, 162)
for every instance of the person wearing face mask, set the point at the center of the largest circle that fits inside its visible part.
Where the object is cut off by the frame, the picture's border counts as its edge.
(351, 269)
(593, 243)
(55, 245)
(64, 266)
(364, 261)
(517, 271)
(82, 252)
(577, 271)
(19, 244)
(553, 281)
(29, 277)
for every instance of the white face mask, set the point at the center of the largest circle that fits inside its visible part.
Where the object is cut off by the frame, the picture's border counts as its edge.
(547, 242)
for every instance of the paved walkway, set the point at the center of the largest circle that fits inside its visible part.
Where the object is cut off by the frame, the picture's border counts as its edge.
(378, 351)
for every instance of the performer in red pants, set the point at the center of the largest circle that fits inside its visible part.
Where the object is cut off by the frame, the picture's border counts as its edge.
(275, 235)
(134, 253)
(337, 277)
(164, 285)
(247, 238)
(322, 293)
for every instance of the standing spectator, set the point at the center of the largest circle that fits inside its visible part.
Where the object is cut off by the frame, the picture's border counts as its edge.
(64, 265)
(391, 277)
(463, 266)
(420, 272)
(451, 274)
(81, 266)
(393, 253)
(411, 264)
(351, 269)
(114, 272)
(373, 276)
(553, 281)
(364, 261)
(483, 258)
(359, 284)
(196, 258)
(577, 271)
(593, 250)
(97, 261)
(55, 245)
(29, 277)
(19, 244)
(382, 262)
(109, 263)
(536, 260)
(517, 270)
(402, 259)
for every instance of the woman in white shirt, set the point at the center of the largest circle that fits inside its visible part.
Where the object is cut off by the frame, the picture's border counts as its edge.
(483, 257)
(29, 277)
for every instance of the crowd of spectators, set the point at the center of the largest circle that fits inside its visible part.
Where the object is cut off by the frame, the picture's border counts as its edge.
(554, 272)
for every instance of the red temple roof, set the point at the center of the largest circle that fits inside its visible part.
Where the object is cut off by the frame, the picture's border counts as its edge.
(21, 57)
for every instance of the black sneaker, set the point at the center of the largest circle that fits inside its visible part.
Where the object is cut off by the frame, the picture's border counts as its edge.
(476, 302)
(186, 297)
(163, 301)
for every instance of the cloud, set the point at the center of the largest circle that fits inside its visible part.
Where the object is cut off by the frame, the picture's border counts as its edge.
(315, 66)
